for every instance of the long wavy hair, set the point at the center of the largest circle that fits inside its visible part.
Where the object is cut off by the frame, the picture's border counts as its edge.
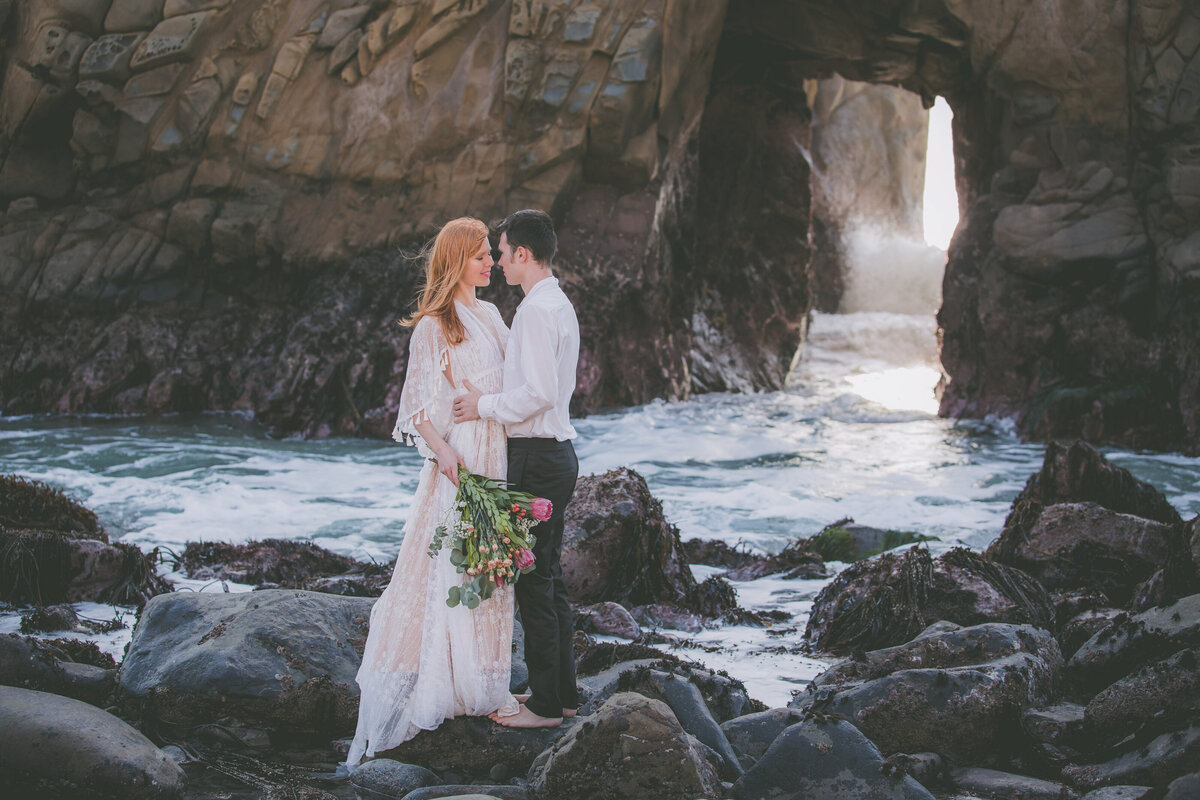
(445, 261)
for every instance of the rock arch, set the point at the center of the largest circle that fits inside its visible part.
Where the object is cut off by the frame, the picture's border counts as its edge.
(205, 199)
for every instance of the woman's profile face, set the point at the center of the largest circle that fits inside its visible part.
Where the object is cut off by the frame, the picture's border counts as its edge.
(478, 271)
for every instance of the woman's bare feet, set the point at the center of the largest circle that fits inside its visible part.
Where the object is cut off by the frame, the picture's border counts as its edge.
(526, 719)
(567, 712)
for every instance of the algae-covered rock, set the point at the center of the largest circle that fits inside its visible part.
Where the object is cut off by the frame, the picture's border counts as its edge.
(890, 599)
(631, 747)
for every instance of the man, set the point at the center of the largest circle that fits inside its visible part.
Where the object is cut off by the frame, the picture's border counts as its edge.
(539, 378)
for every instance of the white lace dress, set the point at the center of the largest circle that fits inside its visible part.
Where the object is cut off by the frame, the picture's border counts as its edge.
(424, 661)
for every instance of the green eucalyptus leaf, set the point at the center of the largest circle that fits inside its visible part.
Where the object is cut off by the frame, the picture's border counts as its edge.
(457, 557)
(472, 601)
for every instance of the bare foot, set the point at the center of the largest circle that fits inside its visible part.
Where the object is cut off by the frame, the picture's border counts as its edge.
(567, 712)
(526, 719)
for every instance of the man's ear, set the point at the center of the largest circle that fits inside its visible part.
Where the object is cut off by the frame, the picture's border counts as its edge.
(517, 252)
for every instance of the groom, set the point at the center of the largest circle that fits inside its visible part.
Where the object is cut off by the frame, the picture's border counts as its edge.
(539, 378)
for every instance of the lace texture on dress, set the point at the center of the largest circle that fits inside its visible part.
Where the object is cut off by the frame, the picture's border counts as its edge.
(425, 662)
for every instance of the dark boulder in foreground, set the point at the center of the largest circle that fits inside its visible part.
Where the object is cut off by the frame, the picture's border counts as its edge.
(618, 546)
(631, 747)
(53, 550)
(54, 743)
(830, 760)
(278, 659)
(890, 599)
(471, 746)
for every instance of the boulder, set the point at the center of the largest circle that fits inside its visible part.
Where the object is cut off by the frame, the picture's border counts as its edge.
(1059, 725)
(384, 779)
(1183, 788)
(1157, 763)
(607, 618)
(33, 664)
(1081, 521)
(618, 546)
(943, 645)
(1164, 694)
(892, 598)
(996, 785)
(1078, 629)
(846, 541)
(286, 563)
(1128, 643)
(632, 746)
(796, 560)
(1078, 545)
(1118, 793)
(751, 734)
(966, 709)
(277, 659)
(470, 747)
(831, 760)
(686, 702)
(52, 742)
(468, 792)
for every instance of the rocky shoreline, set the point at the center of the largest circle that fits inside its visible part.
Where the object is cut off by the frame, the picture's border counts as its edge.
(1060, 663)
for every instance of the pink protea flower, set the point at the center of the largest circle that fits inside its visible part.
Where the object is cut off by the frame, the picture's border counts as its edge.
(541, 508)
(523, 558)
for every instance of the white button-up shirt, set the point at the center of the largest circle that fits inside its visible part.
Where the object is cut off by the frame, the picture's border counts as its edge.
(539, 367)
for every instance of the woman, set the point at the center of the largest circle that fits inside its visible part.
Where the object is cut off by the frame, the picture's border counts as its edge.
(425, 662)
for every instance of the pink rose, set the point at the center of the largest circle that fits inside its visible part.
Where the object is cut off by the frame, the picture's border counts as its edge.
(523, 558)
(541, 508)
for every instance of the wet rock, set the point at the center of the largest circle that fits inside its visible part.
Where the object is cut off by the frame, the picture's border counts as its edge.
(892, 598)
(33, 505)
(996, 785)
(55, 550)
(33, 664)
(1162, 695)
(384, 779)
(1183, 788)
(618, 546)
(1059, 531)
(797, 560)
(1082, 627)
(1077, 545)
(945, 645)
(846, 541)
(751, 734)
(1118, 793)
(473, 791)
(631, 747)
(276, 659)
(47, 741)
(830, 760)
(1157, 763)
(1132, 642)
(1179, 575)
(1059, 725)
(50, 618)
(446, 752)
(607, 618)
(286, 563)
(365, 580)
(688, 705)
(662, 615)
(965, 711)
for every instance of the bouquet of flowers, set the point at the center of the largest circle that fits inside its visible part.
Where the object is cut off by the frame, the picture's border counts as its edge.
(488, 535)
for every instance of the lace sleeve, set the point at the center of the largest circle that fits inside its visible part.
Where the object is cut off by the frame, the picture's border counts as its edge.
(426, 394)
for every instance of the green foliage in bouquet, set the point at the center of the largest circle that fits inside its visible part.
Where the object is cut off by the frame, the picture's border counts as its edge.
(489, 536)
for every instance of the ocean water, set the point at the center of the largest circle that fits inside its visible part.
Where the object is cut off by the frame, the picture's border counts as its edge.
(854, 434)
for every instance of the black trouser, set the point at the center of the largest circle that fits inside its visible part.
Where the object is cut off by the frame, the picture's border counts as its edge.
(546, 468)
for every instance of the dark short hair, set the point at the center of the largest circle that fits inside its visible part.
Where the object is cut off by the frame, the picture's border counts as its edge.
(533, 230)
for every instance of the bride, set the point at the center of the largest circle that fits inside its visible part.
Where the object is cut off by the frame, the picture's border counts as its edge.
(424, 661)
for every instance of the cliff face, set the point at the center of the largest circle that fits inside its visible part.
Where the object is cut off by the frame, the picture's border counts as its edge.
(207, 201)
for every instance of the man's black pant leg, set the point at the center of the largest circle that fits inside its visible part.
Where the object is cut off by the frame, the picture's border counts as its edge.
(546, 468)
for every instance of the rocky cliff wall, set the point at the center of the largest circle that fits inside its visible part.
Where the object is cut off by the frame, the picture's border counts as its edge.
(206, 201)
